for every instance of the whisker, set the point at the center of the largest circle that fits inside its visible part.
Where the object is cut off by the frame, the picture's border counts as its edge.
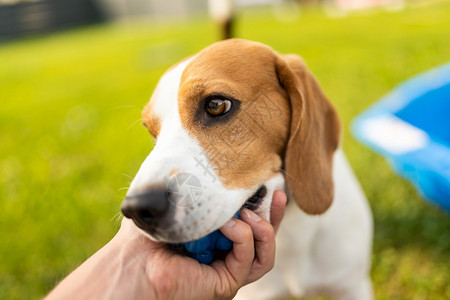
(126, 175)
(291, 176)
(116, 219)
(134, 123)
(126, 106)
(119, 197)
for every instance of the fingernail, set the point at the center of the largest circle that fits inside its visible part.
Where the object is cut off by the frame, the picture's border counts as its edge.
(230, 223)
(254, 217)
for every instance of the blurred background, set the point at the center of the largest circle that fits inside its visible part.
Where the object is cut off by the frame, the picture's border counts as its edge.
(75, 75)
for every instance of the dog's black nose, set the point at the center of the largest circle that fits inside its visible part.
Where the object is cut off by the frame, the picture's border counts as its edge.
(145, 207)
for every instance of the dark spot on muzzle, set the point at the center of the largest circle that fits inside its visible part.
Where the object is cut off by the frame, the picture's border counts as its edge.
(256, 199)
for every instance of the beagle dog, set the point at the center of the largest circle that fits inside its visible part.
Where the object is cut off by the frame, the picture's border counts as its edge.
(232, 124)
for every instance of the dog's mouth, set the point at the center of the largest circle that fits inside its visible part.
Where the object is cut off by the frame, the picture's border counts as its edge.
(205, 249)
(252, 203)
(256, 199)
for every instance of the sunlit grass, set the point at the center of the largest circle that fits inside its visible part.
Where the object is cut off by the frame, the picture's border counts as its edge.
(71, 139)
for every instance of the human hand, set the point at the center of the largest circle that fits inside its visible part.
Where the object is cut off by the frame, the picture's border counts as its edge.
(173, 276)
(133, 266)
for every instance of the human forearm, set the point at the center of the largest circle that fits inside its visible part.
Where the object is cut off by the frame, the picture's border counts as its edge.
(115, 271)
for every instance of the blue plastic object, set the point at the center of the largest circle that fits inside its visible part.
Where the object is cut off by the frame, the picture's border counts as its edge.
(411, 128)
(204, 249)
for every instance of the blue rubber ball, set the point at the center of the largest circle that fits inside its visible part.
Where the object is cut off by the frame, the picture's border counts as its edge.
(204, 250)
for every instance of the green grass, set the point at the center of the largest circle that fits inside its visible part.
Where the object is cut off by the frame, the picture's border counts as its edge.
(70, 138)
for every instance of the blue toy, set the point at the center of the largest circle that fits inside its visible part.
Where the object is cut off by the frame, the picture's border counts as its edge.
(205, 249)
(411, 127)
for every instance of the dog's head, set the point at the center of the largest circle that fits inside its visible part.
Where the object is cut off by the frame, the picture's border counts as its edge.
(232, 124)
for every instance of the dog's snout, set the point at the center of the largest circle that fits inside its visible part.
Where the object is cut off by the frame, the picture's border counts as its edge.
(146, 207)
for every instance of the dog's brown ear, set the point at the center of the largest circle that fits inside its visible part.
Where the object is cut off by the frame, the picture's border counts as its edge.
(314, 136)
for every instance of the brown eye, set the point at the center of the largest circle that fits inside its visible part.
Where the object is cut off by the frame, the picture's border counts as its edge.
(218, 107)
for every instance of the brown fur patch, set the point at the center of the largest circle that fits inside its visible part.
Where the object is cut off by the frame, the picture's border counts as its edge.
(174, 172)
(151, 120)
(248, 147)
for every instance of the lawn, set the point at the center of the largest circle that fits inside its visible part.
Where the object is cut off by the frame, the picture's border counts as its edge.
(71, 139)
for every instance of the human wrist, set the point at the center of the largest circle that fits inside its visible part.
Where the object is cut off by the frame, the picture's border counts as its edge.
(126, 259)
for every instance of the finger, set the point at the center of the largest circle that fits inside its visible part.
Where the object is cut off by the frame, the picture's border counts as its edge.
(264, 239)
(277, 208)
(238, 262)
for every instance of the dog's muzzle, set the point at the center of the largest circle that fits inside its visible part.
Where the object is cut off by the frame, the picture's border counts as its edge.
(147, 207)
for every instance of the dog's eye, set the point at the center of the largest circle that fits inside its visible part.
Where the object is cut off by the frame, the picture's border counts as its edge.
(218, 107)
